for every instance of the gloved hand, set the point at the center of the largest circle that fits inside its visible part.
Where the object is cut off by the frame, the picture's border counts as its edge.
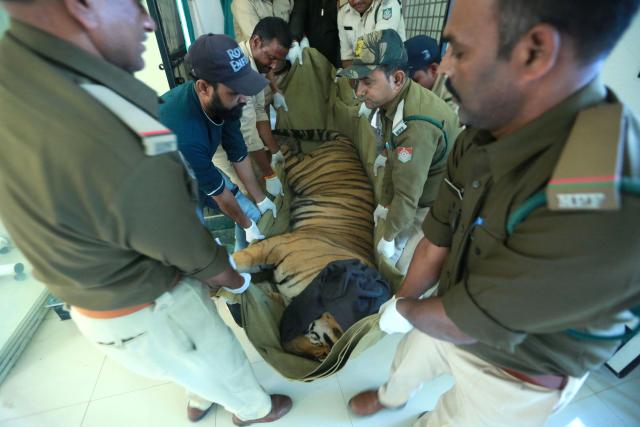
(335, 79)
(380, 212)
(304, 43)
(385, 248)
(391, 321)
(364, 111)
(277, 158)
(242, 289)
(274, 187)
(279, 101)
(295, 53)
(379, 163)
(383, 307)
(253, 233)
(267, 205)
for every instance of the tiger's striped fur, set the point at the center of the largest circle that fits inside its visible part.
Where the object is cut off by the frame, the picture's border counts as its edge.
(331, 215)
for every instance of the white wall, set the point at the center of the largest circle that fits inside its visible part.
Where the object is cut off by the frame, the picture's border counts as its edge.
(151, 74)
(623, 66)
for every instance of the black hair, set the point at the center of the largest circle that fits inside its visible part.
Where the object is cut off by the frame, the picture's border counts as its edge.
(272, 28)
(594, 26)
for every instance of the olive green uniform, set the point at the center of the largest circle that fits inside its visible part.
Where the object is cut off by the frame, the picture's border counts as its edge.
(108, 218)
(76, 184)
(522, 295)
(417, 157)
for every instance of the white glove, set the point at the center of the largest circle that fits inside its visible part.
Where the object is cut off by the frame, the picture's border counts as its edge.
(304, 43)
(279, 101)
(243, 288)
(384, 306)
(295, 53)
(253, 233)
(274, 187)
(364, 111)
(391, 321)
(277, 158)
(386, 249)
(268, 205)
(379, 163)
(380, 212)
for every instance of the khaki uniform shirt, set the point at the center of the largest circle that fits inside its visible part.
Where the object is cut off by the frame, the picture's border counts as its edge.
(518, 294)
(382, 14)
(416, 158)
(254, 111)
(104, 225)
(247, 14)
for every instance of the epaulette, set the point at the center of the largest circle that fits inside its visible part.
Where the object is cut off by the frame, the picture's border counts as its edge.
(588, 173)
(155, 137)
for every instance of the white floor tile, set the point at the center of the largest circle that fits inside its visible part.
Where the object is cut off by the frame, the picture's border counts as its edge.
(70, 416)
(603, 379)
(59, 368)
(316, 404)
(589, 412)
(161, 406)
(624, 401)
(114, 380)
(370, 370)
(583, 393)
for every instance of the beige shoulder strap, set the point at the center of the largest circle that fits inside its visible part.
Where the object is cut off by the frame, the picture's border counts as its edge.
(156, 138)
(588, 174)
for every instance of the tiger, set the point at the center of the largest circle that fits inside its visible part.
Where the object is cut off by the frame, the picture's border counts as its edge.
(331, 219)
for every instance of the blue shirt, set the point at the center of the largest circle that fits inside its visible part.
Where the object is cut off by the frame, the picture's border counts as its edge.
(198, 137)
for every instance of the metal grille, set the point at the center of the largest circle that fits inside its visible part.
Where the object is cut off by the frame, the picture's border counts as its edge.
(425, 17)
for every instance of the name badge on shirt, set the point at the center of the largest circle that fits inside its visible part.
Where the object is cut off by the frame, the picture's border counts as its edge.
(159, 142)
(400, 127)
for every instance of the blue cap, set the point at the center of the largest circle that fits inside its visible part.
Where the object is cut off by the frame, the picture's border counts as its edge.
(422, 51)
(217, 58)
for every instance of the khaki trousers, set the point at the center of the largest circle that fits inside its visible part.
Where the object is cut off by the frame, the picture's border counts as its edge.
(182, 338)
(482, 396)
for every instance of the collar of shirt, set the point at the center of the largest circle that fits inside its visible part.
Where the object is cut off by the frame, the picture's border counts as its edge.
(390, 112)
(81, 62)
(554, 125)
(246, 48)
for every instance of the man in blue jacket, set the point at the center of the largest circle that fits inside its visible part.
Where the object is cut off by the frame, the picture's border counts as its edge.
(205, 113)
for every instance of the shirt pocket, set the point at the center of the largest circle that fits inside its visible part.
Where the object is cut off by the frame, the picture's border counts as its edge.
(482, 244)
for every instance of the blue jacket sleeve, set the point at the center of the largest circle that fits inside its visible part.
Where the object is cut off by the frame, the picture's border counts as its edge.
(233, 142)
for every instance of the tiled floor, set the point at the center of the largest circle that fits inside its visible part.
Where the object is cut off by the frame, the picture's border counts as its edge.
(61, 380)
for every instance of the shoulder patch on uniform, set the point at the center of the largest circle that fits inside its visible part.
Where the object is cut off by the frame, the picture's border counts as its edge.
(387, 13)
(155, 137)
(405, 154)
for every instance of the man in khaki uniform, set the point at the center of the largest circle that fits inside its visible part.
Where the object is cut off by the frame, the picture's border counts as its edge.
(526, 304)
(417, 130)
(266, 48)
(359, 17)
(424, 62)
(247, 14)
(98, 199)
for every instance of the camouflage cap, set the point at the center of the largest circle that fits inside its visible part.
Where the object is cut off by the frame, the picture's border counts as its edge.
(374, 49)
